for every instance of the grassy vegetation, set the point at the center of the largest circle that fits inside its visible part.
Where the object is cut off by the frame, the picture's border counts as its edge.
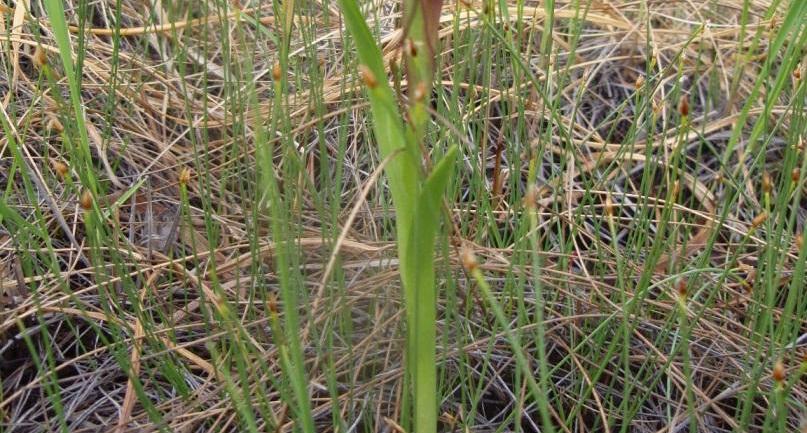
(568, 216)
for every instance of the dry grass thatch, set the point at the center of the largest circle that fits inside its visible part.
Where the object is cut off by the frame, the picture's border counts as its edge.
(169, 92)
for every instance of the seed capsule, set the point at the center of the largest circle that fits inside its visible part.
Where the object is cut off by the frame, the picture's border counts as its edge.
(751, 278)
(681, 288)
(531, 198)
(779, 372)
(767, 183)
(60, 168)
(40, 58)
(184, 176)
(759, 219)
(799, 241)
(420, 92)
(683, 106)
(86, 200)
(468, 259)
(639, 82)
(54, 125)
(449, 419)
(795, 174)
(410, 48)
(368, 77)
(271, 303)
(797, 73)
(276, 72)
(609, 206)
(656, 107)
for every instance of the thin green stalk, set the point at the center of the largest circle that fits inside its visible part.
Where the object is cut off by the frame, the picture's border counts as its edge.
(416, 198)
(55, 10)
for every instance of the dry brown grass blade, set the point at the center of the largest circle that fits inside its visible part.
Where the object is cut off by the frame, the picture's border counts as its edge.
(177, 25)
(681, 381)
(362, 196)
(92, 131)
(162, 115)
(103, 317)
(20, 9)
(134, 362)
(43, 189)
(699, 190)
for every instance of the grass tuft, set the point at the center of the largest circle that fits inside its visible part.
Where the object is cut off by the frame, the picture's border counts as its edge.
(416, 216)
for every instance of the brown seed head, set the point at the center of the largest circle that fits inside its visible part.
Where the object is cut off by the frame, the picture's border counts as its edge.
(59, 168)
(411, 49)
(40, 58)
(54, 125)
(468, 259)
(184, 176)
(779, 372)
(797, 73)
(86, 200)
(449, 419)
(799, 241)
(368, 77)
(683, 106)
(751, 278)
(277, 72)
(271, 303)
(767, 183)
(795, 174)
(420, 92)
(609, 206)
(681, 288)
(759, 219)
(639, 82)
(676, 188)
(531, 198)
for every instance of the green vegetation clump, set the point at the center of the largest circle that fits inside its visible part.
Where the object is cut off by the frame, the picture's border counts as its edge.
(416, 216)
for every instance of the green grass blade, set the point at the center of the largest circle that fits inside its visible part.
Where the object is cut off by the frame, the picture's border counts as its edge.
(402, 171)
(55, 9)
(418, 279)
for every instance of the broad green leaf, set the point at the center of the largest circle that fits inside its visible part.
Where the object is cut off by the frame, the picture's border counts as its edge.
(420, 293)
